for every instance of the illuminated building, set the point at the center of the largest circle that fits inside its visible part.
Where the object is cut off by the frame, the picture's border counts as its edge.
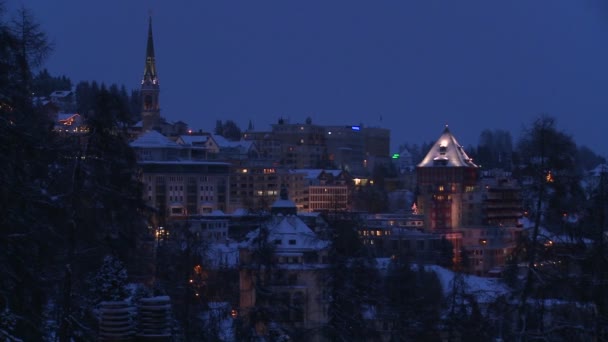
(175, 184)
(302, 145)
(445, 179)
(476, 210)
(257, 187)
(327, 190)
(293, 286)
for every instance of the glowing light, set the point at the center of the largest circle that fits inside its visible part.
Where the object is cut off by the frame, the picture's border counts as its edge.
(395, 156)
(443, 143)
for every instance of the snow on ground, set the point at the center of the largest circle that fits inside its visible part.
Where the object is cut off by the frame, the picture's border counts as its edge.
(485, 289)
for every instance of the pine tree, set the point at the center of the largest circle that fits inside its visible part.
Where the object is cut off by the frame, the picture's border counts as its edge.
(110, 282)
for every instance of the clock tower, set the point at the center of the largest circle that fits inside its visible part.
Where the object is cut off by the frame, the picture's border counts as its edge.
(150, 89)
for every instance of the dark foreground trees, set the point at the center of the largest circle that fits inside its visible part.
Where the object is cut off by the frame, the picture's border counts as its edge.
(65, 201)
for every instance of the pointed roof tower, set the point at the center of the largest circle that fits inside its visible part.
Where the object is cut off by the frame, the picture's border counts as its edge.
(150, 89)
(150, 67)
(447, 152)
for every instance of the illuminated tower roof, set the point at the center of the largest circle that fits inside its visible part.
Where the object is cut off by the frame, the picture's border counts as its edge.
(150, 67)
(150, 89)
(447, 152)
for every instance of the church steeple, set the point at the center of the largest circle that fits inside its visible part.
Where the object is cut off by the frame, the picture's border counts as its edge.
(150, 68)
(150, 89)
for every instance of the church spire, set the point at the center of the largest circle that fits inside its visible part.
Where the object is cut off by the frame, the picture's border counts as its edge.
(150, 89)
(150, 68)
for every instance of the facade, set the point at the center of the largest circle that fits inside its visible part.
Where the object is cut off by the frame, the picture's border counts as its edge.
(445, 178)
(153, 146)
(501, 200)
(291, 289)
(176, 185)
(181, 188)
(489, 247)
(357, 149)
(302, 145)
(202, 146)
(480, 209)
(257, 187)
(327, 190)
(346, 148)
(269, 147)
(70, 123)
(210, 228)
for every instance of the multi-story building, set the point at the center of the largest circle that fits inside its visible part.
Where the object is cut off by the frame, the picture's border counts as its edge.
(176, 185)
(479, 209)
(302, 145)
(346, 148)
(257, 187)
(501, 201)
(445, 178)
(357, 149)
(181, 188)
(291, 290)
(153, 146)
(327, 190)
(269, 147)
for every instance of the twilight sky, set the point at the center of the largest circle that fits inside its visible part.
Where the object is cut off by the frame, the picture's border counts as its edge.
(408, 65)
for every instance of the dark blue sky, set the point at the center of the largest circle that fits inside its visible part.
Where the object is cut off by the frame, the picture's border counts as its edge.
(411, 66)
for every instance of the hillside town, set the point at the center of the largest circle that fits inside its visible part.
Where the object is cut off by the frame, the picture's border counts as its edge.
(303, 231)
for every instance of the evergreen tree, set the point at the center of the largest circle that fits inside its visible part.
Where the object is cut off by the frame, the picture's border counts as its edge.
(110, 282)
(228, 129)
(26, 236)
(413, 299)
(352, 283)
(44, 84)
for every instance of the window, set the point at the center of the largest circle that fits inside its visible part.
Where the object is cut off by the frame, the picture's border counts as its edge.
(277, 241)
(292, 242)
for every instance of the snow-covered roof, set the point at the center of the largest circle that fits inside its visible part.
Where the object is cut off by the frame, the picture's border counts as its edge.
(240, 212)
(194, 139)
(66, 116)
(289, 234)
(61, 93)
(153, 139)
(598, 170)
(315, 173)
(183, 162)
(294, 234)
(223, 142)
(485, 290)
(447, 152)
